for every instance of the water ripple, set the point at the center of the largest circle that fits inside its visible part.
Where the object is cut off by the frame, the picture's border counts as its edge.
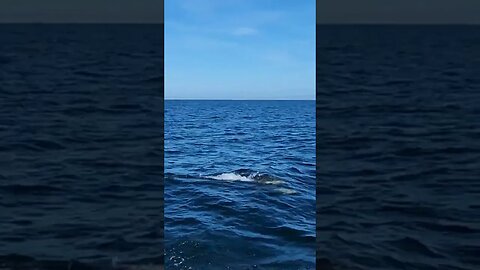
(79, 126)
(398, 149)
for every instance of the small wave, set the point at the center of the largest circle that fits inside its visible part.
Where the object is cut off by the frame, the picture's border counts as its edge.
(414, 245)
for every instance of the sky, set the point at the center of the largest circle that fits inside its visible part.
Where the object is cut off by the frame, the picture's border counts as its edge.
(239, 49)
(81, 11)
(398, 11)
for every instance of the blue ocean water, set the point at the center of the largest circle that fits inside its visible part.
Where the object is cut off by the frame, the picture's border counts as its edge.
(398, 148)
(81, 143)
(239, 184)
(398, 154)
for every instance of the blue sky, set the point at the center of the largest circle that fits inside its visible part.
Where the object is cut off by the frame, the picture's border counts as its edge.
(239, 49)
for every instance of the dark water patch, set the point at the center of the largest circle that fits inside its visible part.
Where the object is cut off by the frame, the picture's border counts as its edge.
(414, 246)
(22, 222)
(20, 262)
(20, 189)
(72, 131)
(13, 239)
(448, 228)
(118, 244)
(126, 107)
(397, 149)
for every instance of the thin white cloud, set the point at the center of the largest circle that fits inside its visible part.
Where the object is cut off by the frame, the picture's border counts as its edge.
(245, 31)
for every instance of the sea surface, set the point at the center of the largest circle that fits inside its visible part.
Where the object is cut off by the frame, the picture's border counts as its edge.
(397, 152)
(239, 184)
(398, 148)
(81, 143)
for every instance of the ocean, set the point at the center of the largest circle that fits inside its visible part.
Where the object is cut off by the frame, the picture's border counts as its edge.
(239, 184)
(397, 156)
(398, 147)
(81, 152)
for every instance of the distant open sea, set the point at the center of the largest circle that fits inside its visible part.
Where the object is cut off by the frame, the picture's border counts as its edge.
(240, 184)
(81, 144)
(398, 153)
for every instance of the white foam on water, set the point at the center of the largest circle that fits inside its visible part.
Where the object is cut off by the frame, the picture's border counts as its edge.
(273, 182)
(286, 191)
(231, 177)
(252, 177)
